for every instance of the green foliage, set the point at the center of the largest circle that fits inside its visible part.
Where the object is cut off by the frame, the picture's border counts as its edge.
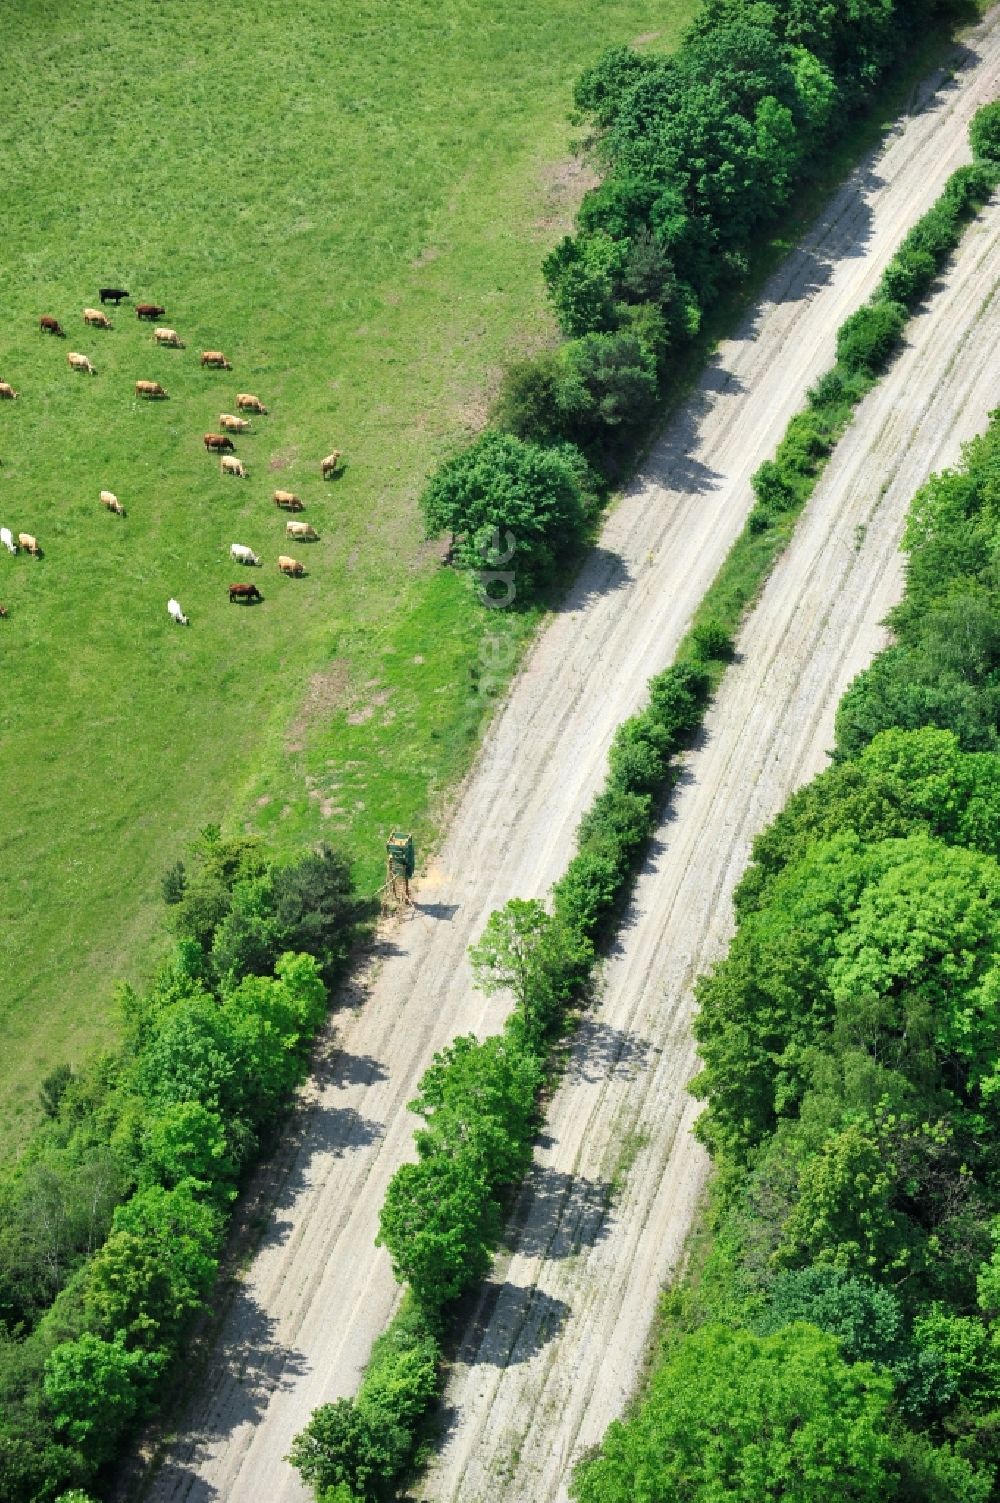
(535, 957)
(94, 1388)
(608, 383)
(581, 274)
(984, 132)
(730, 1415)
(907, 277)
(868, 339)
(528, 403)
(511, 506)
(772, 486)
(439, 1223)
(478, 1101)
(712, 641)
(53, 1088)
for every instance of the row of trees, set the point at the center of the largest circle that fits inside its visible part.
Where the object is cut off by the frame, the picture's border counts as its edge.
(112, 1220)
(841, 1339)
(700, 152)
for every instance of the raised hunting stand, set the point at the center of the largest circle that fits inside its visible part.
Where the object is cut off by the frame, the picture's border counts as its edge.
(399, 867)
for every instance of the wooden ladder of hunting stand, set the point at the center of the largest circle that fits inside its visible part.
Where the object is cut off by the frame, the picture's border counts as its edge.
(399, 866)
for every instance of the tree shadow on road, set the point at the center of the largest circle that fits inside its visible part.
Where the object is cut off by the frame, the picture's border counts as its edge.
(252, 1365)
(558, 1214)
(511, 1325)
(600, 1051)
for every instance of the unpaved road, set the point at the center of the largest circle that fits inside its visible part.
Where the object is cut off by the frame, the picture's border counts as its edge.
(318, 1292)
(555, 1348)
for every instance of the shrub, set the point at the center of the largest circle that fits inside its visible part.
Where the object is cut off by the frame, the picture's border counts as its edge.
(984, 132)
(969, 188)
(608, 383)
(759, 519)
(712, 642)
(439, 1223)
(772, 486)
(867, 340)
(528, 401)
(936, 232)
(907, 277)
(677, 697)
(586, 894)
(805, 443)
(639, 755)
(580, 274)
(618, 824)
(514, 508)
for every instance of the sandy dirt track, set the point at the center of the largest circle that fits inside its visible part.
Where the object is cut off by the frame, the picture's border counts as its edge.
(318, 1292)
(556, 1346)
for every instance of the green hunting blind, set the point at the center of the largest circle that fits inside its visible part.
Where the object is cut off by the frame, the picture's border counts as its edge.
(399, 849)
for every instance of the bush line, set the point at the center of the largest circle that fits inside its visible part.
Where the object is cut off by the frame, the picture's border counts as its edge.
(442, 1217)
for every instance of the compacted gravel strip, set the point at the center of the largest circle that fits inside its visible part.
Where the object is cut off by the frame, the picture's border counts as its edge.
(317, 1293)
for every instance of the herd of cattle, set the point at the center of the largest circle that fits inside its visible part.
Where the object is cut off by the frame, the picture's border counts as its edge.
(215, 443)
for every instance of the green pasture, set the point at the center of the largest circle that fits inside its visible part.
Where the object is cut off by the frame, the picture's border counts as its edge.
(352, 202)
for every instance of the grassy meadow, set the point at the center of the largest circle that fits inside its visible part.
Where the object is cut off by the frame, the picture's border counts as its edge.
(352, 202)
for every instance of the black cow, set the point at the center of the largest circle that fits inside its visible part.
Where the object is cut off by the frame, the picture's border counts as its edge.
(247, 592)
(112, 294)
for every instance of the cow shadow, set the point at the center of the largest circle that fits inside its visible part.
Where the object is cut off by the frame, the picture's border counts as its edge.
(558, 1214)
(444, 911)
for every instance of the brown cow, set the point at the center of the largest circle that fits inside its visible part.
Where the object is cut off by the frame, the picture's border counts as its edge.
(3, 613)
(217, 443)
(79, 363)
(330, 463)
(247, 402)
(215, 358)
(149, 310)
(305, 531)
(241, 591)
(111, 501)
(149, 389)
(288, 501)
(95, 317)
(7, 392)
(29, 544)
(290, 566)
(168, 336)
(230, 465)
(49, 325)
(234, 424)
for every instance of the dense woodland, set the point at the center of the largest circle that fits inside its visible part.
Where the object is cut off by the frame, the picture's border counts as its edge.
(840, 1338)
(112, 1222)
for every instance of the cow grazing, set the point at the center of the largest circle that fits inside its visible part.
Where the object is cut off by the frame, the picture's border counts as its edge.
(149, 389)
(234, 424)
(149, 310)
(305, 531)
(247, 592)
(7, 540)
(330, 463)
(241, 554)
(175, 613)
(79, 363)
(3, 613)
(95, 317)
(7, 392)
(230, 465)
(288, 501)
(218, 443)
(170, 337)
(215, 358)
(29, 544)
(111, 294)
(247, 402)
(49, 325)
(290, 566)
(111, 501)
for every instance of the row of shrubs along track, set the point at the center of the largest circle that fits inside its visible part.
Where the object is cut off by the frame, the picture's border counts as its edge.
(318, 1292)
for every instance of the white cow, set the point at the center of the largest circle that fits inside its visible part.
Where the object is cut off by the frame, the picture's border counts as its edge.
(7, 539)
(241, 554)
(175, 613)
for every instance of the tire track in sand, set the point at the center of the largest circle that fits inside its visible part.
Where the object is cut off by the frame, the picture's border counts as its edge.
(556, 1347)
(317, 1292)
